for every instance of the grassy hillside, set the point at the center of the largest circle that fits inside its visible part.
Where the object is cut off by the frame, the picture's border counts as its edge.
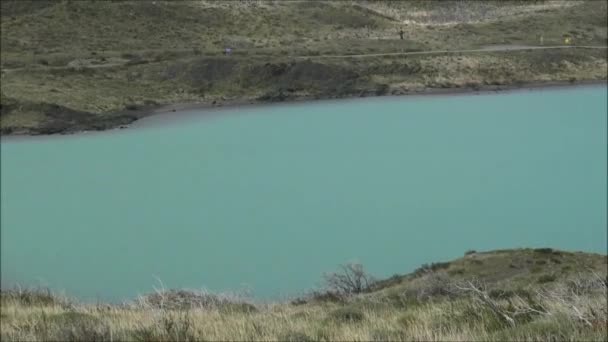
(102, 64)
(523, 294)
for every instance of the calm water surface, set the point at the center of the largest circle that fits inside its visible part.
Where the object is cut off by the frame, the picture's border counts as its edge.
(268, 198)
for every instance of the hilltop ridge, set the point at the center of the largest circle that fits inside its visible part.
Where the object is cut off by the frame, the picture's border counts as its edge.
(77, 65)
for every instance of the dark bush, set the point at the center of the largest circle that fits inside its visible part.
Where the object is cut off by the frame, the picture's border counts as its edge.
(295, 336)
(389, 335)
(456, 271)
(169, 328)
(347, 315)
(350, 279)
(546, 278)
(478, 316)
(31, 297)
(238, 307)
(426, 268)
(77, 326)
(184, 300)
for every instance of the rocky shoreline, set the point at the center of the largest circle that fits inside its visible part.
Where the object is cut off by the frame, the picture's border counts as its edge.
(75, 122)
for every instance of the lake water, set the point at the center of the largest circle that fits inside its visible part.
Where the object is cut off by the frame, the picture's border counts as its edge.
(268, 198)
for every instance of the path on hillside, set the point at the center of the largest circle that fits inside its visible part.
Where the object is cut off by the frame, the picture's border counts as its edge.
(490, 48)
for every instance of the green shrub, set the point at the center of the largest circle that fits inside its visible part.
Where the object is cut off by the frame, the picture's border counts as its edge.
(347, 315)
(31, 297)
(546, 278)
(456, 271)
(388, 335)
(556, 329)
(406, 320)
(543, 250)
(475, 316)
(74, 326)
(536, 269)
(433, 267)
(295, 336)
(171, 327)
(238, 307)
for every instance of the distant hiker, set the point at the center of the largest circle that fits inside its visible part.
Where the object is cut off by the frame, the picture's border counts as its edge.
(542, 39)
(401, 34)
(227, 51)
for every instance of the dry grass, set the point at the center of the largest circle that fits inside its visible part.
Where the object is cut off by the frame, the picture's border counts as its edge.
(458, 319)
(450, 12)
(431, 304)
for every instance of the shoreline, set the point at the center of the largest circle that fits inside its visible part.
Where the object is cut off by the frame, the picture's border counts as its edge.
(140, 115)
(285, 297)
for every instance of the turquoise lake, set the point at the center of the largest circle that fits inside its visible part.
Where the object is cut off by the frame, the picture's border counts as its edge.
(268, 198)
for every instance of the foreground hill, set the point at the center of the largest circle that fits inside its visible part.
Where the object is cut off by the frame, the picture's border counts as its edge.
(524, 294)
(68, 66)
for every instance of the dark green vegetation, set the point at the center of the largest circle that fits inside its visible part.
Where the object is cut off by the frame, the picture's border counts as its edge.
(77, 65)
(525, 294)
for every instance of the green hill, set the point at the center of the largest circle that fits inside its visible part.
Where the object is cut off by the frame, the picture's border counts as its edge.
(522, 294)
(105, 63)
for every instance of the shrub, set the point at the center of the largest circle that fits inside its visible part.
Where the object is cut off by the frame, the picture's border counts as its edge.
(238, 307)
(407, 320)
(170, 327)
(456, 271)
(351, 279)
(320, 296)
(476, 316)
(183, 300)
(32, 297)
(536, 269)
(388, 335)
(75, 326)
(295, 336)
(433, 267)
(347, 315)
(435, 284)
(546, 278)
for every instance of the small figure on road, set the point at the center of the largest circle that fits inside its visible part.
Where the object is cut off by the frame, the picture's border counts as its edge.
(401, 33)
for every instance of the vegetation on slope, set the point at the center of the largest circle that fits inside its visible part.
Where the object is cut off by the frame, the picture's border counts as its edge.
(108, 62)
(524, 294)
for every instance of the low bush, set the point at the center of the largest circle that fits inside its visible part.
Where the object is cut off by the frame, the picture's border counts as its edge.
(433, 267)
(74, 326)
(295, 336)
(170, 327)
(31, 297)
(184, 300)
(347, 315)
(546, 278)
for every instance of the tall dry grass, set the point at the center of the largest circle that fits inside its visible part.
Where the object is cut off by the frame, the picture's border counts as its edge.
(570, 310)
